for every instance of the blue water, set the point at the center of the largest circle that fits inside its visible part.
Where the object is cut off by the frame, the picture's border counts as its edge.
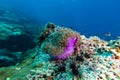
(89, 17)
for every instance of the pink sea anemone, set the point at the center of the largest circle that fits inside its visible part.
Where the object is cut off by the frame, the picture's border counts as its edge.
(69, 49)
(59, 42)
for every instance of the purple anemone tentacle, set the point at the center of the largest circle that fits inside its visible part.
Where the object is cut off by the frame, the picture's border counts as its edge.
(68, 51)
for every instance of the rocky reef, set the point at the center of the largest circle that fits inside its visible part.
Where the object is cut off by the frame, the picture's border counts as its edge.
(64, 54)
(74, 57)
(17, 35)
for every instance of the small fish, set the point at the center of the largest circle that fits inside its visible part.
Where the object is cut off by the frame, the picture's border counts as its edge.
(118, 37)
(107, 34)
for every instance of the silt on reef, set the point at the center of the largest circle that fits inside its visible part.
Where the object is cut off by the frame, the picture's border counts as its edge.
(58, 41)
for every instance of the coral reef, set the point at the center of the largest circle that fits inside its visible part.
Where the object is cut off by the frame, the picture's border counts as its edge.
(115, 49)
(64, 54)
(7, 30)
(92, 57)
(17, 34)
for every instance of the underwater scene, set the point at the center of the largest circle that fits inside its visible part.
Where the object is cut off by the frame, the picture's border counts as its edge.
(59, 40)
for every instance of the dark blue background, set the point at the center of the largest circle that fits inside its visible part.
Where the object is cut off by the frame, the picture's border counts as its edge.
(90, 17)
